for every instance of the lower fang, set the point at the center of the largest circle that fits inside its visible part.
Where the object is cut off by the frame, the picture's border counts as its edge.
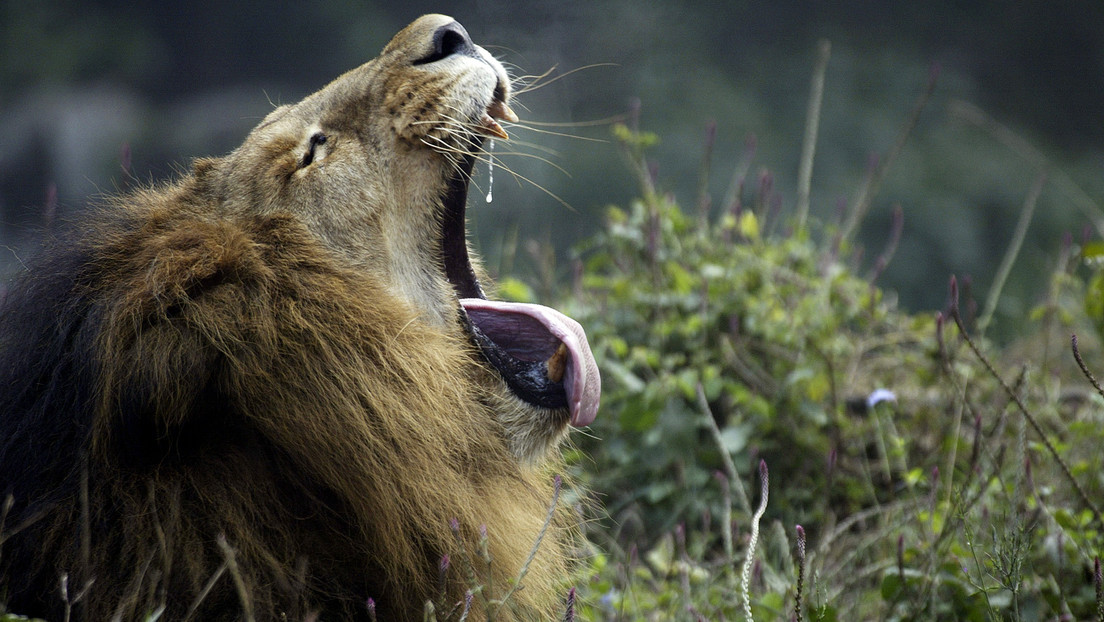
(557, 364)
(493, 128)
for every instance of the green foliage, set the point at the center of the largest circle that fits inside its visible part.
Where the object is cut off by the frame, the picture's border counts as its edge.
(728, 335)
(767, 326)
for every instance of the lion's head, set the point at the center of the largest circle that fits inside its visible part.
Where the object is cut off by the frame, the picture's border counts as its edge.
(276, 387)
(377, 164)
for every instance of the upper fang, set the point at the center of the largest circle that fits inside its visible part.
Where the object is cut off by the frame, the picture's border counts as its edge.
(499, 110)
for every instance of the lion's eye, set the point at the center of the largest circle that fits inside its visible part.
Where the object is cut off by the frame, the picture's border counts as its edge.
(316, 139)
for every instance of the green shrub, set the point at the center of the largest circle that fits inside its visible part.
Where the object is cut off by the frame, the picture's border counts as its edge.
(927, 492)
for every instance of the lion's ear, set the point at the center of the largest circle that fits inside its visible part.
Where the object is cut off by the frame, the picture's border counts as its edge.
(204, 167)
(205, 178)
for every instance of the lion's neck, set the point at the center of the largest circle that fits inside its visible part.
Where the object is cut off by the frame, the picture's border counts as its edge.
(414, 256)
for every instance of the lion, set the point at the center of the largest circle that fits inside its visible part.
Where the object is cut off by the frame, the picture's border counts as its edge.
(274, 388)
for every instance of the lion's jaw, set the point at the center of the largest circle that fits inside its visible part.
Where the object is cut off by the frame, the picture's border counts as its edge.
(377, 164)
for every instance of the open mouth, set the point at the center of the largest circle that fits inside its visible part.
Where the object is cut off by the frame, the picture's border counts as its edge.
(541, 354)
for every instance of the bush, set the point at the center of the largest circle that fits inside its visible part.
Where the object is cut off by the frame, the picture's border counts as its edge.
(930, 486)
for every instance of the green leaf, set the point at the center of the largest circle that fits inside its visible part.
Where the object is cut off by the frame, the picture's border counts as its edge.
(1064, 518)
(748, 225)
(662, 556)
(1093, 252)
(734, 438)
(823, 613)
(514, 290)
(638, 415)
(892, 586)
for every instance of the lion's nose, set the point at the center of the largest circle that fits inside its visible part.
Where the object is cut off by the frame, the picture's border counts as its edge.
(449, 40)
(452, 39)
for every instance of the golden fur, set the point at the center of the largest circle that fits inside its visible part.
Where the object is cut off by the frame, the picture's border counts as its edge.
(248, 392)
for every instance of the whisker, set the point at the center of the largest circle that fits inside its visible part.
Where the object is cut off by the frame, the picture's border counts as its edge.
(548, 150)
(504, 49)
(531, 156)
(535, 85)
(530, 79)
(456, 121)
(595, 122)
(452, 120)
(447, 148)
(520, 106)
(546, 191)
(525, 126)
(509, 67)
(519, 177)
(451, 151)
(513, 142)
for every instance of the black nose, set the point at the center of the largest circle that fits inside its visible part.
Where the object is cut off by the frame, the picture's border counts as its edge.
(448, 40)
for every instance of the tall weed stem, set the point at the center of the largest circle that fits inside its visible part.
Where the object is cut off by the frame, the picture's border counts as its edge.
(1010, 255)
(1022, 407)
(749, 560)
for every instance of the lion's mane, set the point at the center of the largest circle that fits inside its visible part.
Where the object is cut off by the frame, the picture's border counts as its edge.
(220, 416)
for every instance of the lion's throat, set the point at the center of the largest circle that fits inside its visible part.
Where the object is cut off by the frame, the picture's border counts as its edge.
(531, 332)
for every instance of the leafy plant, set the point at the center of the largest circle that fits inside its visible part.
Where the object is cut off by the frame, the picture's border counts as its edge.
(929, 486)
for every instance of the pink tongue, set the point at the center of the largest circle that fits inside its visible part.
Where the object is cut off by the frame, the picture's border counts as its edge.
(532, 333)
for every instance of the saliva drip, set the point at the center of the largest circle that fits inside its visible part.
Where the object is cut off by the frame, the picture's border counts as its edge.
(490, 171)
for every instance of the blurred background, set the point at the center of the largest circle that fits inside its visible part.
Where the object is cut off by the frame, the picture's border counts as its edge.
(100, 95)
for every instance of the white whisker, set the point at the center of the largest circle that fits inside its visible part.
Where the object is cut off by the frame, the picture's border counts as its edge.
(539, 85)
(525, 126)
(531, 156)
(595, 122)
